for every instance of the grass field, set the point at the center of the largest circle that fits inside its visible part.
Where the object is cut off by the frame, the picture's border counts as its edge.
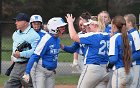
(60, 80)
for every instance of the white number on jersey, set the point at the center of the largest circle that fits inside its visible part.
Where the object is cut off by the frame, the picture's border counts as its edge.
(102, 50)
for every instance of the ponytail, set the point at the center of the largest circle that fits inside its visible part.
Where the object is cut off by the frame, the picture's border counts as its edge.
(126, 50)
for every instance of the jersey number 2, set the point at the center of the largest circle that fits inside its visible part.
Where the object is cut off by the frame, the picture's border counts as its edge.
(104, 48)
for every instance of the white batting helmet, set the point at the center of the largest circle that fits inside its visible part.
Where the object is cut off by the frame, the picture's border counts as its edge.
(54, 23)
(36, 18)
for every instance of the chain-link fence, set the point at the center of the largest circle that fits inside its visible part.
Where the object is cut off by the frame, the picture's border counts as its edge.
(48, 9)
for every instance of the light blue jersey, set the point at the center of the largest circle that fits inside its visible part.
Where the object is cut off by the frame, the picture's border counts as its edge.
(30, 36)
(47, 49)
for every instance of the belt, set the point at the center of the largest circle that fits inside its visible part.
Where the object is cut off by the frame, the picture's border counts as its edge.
(47, 68)
(22, 62)
(96, 64)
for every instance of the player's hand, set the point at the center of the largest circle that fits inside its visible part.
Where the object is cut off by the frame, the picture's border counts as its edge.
(75, 63)
(62, 46)
(16, 54)
(109, 67)
(13, 58)
(69, 18)
(26, 78)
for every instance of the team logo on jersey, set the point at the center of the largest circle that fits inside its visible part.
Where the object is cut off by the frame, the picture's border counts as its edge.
(53, 50)
(51, 46)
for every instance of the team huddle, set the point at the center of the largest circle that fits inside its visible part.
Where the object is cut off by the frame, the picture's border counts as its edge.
(107, 51)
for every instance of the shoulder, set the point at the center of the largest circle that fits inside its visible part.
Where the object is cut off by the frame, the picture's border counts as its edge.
(115, 37)
(46, 37)
(43, 31)
(33, 32)
(89, 34)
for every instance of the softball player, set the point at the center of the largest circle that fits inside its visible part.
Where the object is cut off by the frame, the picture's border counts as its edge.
(78, 56)
(104, 19)
(36, 23)
(92, 73)
(47, 49)
(134, 38)
(120, 54)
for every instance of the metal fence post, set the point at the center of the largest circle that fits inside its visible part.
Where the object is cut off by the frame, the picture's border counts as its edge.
(0, 33)
(139, 22)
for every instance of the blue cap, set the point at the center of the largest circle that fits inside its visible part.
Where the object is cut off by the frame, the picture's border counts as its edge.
(22, 17)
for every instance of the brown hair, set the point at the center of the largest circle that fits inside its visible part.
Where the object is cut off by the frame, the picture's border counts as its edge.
(86, 16)
(120, 23)
(132, 18)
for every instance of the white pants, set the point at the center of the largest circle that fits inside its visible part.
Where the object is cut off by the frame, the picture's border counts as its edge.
(120, 79)
(80, 62)
(41, 77)
(106, 81)
(136, 79)
(91, 76)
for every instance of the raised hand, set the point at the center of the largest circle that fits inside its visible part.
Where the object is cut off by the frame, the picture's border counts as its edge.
(69, 18)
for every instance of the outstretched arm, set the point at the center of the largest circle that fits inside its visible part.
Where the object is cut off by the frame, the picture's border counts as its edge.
(74, 36)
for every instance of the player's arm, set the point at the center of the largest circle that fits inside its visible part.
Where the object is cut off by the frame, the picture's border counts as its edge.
(74, 36)
(72, 48)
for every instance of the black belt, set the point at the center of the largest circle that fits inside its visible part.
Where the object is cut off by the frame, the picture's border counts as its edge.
(22, 62)
(47, 68)
(50, 69)
(96, 64)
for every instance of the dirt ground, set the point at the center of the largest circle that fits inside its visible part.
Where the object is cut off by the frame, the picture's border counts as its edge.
(65, 86)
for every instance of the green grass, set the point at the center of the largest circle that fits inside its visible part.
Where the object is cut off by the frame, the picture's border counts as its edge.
(72, 79)
(3, 79)
(63, 56)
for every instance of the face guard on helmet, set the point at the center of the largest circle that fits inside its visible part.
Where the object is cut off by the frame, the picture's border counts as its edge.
(36, 18)
(54, 23)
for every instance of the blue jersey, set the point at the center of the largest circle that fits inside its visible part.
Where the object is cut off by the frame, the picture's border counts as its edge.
(47, 49)
(108, 28)
(104, 49)
(41, 33)
(116, 50)
(91, 47)
(134, 38)
(80, 50)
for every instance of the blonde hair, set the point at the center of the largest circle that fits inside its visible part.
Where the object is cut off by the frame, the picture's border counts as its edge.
(101, 25)
(132, 18)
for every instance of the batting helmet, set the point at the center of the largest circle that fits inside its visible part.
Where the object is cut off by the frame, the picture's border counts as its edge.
(36, 18)
(54, 23)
